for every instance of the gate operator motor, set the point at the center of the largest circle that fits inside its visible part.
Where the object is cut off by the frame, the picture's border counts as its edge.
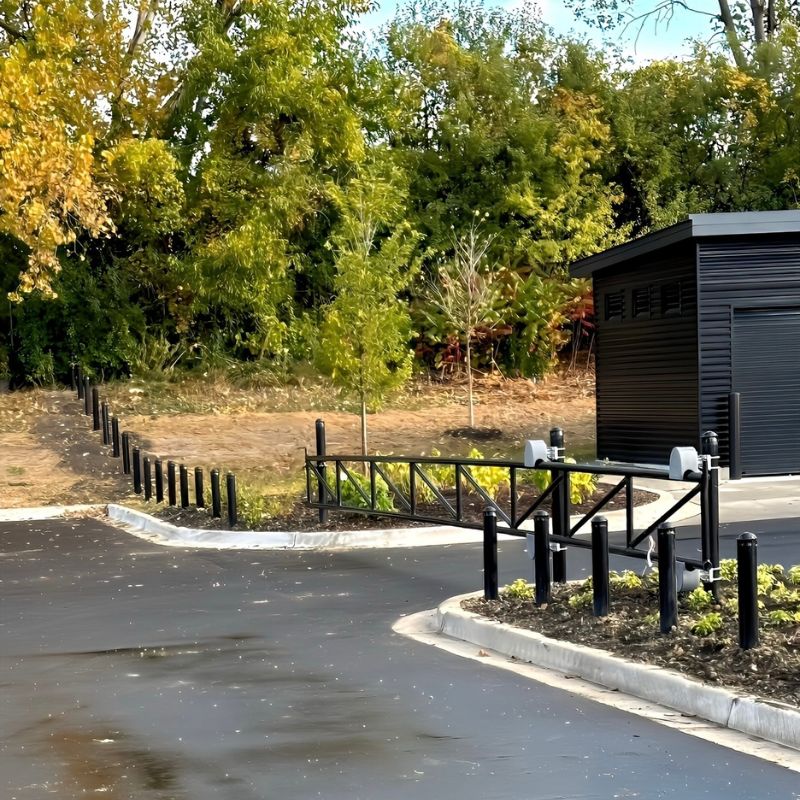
(537, 450)
(681, 461)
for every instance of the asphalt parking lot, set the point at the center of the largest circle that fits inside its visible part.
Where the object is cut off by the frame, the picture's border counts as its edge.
(135, 671)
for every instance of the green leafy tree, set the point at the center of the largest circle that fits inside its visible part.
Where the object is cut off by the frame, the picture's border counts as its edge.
(364, 336)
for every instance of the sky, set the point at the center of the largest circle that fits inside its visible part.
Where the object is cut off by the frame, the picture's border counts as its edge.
(655, 41)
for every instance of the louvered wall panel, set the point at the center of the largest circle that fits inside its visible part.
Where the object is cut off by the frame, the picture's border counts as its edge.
(739, 273)
(647, 385)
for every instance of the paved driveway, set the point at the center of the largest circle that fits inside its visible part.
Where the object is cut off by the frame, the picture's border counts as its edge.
(133, 671)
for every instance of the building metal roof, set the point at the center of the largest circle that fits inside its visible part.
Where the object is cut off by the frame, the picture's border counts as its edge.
(697, 226)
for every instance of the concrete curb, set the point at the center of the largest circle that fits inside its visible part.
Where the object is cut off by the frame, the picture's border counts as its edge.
(165, 533)
(775, 722)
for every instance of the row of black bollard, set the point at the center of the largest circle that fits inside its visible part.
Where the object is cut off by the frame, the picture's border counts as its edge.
(746, 554)
(141, 467)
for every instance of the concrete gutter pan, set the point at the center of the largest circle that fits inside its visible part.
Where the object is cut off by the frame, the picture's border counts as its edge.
(773, 721)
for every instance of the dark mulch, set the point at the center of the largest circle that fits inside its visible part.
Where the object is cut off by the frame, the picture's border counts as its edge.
(771, 670)
(475, 434)
(303, 518)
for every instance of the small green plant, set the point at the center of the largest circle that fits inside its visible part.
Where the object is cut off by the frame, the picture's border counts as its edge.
(650, 619)
(728, 570)
(767, 578)
(252, 504)
(520, 589)
(626, 580)
(580, 599)
(351, 496)
(708, 624)
(780, 618)
(793, 576)
(698, 599)
(493, 480)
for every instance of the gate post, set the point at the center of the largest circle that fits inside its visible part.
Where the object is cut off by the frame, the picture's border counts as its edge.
(667, 586)
(711, 500)
(560, 506)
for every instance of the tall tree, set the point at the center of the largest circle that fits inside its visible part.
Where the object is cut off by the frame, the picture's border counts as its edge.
(364, 337)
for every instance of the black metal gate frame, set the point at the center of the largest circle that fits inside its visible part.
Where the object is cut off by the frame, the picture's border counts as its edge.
(705, 480)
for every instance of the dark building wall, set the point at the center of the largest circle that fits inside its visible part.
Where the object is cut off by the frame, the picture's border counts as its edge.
(746, 272)
(647, 383)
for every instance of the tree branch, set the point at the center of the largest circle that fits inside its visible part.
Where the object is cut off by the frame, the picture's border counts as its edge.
(731, 35)
(15, 33)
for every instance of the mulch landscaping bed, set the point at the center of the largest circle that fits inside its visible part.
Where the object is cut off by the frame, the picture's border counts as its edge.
(771, 670)
(303, 518)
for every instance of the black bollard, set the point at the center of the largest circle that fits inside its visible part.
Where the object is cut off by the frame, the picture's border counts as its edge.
(171, 495)
(73, 375)
(87, 397)
(147, 478)
(115, 437)
(600, 587)
(216, 494)
(184, 479)
(667, 586)
(541, 556)
(230, 485)
(104, 423)
(137, 470)
(747, 561)
(79, 381)
(126, 453)
(159, 481)
(95, 408)
(199, 492)
(489, 554)
(321, 450)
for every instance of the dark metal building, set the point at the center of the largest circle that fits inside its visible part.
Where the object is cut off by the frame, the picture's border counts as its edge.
(691, 321)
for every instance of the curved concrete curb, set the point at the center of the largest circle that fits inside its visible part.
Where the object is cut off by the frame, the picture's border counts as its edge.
(773, 721)
(165, 533)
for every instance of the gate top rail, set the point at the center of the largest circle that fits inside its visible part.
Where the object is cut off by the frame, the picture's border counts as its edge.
(620, 470)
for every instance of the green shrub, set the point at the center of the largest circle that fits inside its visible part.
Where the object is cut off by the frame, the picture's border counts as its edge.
(353, 498)
(793, 576)
(627, 580)
(580, 599)
(698, 599)
(708, 624)
(520, 589)
(252, 504)
(582, 485)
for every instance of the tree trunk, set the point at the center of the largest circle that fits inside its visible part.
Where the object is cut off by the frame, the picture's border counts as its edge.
(363, 427)
(469, 385)
(731, 35)
(757, 9)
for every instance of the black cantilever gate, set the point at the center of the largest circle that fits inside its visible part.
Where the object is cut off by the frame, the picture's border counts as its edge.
(362, 484)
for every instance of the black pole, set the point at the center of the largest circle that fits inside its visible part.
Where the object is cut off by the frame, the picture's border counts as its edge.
(171, 496)
(600, 589)
(489, 553)
(230, 485)
(735, 435)
(184, 477)
(80, 382)
(159, 481)
(72, 375)
(137, 470)
(321, 451)
(126, 453)
(199, 492)
(560, 507)
(667, 586)
(87, 397)
(104, 423)
(147, 477)
(216, 494)
(95, 408)
(115, 448)
(711, 448)
(747, 561)
(541, 556)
